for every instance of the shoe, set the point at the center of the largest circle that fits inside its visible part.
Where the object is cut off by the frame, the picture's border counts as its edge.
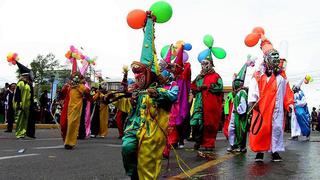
(8, 131)
(276, 157)
(93, 136)
(243, 150)
(259, 157)
(68, 147)
(196, 146)
(181, 145)
(294, 138)
(232, 149)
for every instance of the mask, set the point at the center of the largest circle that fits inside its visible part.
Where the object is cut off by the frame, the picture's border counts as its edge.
(206, 65)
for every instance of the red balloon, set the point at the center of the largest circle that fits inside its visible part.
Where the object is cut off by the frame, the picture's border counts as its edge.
(252, 39)
(136, 19)
(258, 30)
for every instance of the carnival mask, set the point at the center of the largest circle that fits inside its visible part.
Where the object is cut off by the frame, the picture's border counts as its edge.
(206, 65)
(141, 74)
(272, 60)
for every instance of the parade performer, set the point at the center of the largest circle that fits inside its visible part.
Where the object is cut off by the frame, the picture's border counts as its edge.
(9, 107)
(237, 130)
(22, 101)
(228, 106)
(301, 112)
(181, 71)
(208, 91)
(65, 96)
(145, 133)
(77, 91)
(269, 96)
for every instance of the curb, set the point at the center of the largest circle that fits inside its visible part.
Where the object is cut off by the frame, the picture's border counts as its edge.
(38, 126)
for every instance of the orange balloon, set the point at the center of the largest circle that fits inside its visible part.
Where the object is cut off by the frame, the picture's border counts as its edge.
(136, 18)
(252, 39)
(258, 30)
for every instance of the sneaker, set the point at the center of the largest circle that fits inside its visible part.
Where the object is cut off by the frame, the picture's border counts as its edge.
(259, 157)
(93, 136)
(276, 157)
(308, 138)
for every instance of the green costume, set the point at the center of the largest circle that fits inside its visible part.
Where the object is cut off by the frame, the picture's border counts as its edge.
(22, 107)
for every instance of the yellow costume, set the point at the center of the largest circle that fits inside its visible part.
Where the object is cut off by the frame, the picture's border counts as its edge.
(74, 113)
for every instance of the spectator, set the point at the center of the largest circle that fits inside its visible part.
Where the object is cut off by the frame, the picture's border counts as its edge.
(9, 107)
(314, 119)
(43, 106)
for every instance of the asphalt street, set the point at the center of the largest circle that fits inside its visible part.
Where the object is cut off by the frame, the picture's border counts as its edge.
(100, 158)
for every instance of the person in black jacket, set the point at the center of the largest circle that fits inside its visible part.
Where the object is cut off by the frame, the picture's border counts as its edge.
(9, 107)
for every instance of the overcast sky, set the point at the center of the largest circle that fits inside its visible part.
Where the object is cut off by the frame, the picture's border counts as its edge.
(41, 26)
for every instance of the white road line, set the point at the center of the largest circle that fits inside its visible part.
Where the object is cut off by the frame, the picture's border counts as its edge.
(44, 139)
(49, 147)
(112, 145)
(17, 156)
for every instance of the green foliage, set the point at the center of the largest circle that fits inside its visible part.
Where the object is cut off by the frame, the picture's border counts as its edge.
(43, 66)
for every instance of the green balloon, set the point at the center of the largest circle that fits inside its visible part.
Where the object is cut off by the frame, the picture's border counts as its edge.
(164, 51)
(219, 52)
(162, 10)
(208, 40)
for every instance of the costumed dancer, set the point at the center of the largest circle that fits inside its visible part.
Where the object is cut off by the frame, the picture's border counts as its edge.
(269, 96)
(208, 91)
(84, 129)
(22, 103)
(300, 125)
(227, 109)
(181, 71)
(120, 115)
(95, 112)
(145, 131)
(237, 130)
(75, 105)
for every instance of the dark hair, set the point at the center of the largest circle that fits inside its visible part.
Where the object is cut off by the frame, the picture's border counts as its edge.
(314, 108)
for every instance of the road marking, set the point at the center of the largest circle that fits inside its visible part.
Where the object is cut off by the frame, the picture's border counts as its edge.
(49, 147)
(17, 156)
(203, 167)
(112, 145)
(44, 139)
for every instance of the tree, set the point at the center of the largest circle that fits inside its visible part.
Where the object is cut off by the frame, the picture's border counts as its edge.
(43, 66)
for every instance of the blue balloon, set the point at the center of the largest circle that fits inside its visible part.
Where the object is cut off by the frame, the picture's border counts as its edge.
(203, 54)
(187, 46)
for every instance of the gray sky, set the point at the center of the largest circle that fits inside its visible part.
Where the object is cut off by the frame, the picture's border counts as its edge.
(41, 26)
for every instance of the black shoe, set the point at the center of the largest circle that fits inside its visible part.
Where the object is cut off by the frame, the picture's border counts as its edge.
(276, 157)
(259, 157)
(196, 146)
(68, 147)
(8, 131)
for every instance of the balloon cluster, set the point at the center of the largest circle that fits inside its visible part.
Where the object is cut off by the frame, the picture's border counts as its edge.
(12, 58)
(253, 38)
(75, 54)
(174, 50)
(161, 10)
(216, 51)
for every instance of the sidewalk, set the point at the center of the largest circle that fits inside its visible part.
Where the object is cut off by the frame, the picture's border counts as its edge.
(38, 126)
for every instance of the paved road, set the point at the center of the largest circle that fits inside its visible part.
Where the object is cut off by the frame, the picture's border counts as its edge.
(45, 158)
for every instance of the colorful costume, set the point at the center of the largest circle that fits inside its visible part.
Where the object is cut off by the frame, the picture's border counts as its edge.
(207, 88)
(301, 112)
(270, 95)
(77, 91)
(65, 96)
(22, 102)
(237, 129)
(228, 106)
(145, 130)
